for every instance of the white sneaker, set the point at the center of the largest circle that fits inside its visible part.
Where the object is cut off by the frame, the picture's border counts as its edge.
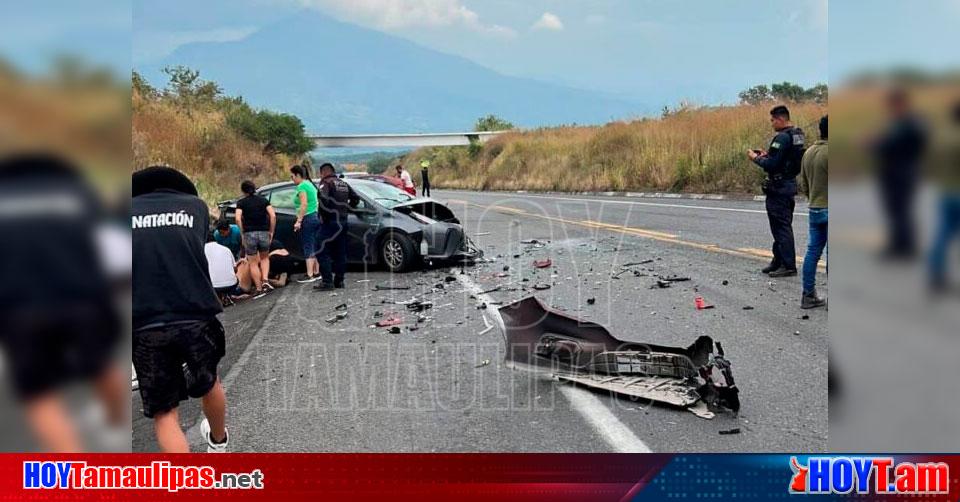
(308, 280)
(211, 446)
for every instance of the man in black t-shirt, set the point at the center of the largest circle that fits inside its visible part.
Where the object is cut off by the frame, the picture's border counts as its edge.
(257, 221)
(175, 308)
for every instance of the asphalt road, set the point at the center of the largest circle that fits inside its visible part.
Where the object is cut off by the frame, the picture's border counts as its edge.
(298, 383)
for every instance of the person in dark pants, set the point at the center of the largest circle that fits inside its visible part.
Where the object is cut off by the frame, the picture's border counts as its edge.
(898, 152)
(948, 231)
(425, 178)
(336, 199)
(782, 164)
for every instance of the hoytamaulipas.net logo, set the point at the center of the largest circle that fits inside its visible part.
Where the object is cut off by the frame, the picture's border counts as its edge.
(868, 475)
(159, 475)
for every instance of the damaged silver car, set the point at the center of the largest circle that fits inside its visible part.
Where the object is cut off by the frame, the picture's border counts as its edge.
(585, 353)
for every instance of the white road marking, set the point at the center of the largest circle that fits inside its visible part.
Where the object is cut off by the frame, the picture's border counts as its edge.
(616, 434)
(683, 206)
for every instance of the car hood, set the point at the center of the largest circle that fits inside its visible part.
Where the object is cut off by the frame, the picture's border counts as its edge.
(429, 208)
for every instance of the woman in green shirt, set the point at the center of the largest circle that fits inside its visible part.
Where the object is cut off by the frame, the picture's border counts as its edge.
(308, 223)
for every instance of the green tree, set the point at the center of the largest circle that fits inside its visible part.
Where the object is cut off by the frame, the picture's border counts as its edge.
(492, 123)
(817, 93)
(143, 87)
(187, 86)
(787, 91)
(756, 95)
(284, 133)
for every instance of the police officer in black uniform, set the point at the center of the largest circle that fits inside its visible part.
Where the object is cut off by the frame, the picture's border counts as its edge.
(336, 199)
(782, 164)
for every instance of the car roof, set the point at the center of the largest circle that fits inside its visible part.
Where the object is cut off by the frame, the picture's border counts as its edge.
(284, 184)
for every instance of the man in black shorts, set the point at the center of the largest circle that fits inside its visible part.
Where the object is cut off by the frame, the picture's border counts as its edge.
(175, 309)
(60, 325)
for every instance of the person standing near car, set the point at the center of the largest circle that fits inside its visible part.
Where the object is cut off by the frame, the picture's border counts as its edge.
(407, 181)
(425, 178)
(782, 165)
(175, 309)
(336, 199)
(813, 184)
(257, 221)
(308, 222)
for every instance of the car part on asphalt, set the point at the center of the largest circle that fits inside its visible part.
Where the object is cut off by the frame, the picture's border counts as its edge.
(542, 263)
(574, 350)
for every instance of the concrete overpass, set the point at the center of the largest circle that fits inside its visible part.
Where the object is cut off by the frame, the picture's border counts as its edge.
(403, 140)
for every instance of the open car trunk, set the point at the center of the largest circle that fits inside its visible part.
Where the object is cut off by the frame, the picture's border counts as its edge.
(585, 353)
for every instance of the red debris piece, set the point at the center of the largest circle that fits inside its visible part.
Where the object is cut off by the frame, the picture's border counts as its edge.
(390, 321)
(542, 263)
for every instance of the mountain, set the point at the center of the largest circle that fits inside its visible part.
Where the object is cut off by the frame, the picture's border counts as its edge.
(342, 78)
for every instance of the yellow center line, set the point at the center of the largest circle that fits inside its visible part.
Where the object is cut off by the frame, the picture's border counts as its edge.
(752, 253)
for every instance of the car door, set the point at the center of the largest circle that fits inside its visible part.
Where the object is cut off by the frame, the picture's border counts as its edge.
(284, 202)
(362, 224)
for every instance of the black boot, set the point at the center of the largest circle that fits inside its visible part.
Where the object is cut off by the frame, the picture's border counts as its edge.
(811, 300)
(783, 272)
(770, 268)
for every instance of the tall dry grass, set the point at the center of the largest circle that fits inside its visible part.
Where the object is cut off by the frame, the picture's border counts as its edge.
(199, 143)
(690, 150)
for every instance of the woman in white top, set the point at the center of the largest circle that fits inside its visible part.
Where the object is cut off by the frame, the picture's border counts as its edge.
(407, 181)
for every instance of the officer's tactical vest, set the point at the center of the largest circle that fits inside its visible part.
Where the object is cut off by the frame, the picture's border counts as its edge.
(798, 145)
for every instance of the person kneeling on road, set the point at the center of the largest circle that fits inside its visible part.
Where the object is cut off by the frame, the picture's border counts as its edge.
(222, 269)
(175, 309)
(336, 199)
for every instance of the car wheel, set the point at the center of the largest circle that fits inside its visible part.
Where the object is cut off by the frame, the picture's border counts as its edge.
(397, 252)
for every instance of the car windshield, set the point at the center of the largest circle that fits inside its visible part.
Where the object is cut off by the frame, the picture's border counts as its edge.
(386, 195)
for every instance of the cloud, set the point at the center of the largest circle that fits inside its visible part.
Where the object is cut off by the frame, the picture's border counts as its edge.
(397, 14)
(548, 21)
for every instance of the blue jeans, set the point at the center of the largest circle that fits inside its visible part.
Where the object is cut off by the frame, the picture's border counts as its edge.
(947, 232)
(816, 243)
(309, 230)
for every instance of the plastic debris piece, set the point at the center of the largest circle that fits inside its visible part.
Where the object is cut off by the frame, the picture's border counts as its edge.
(485, 362)
(541, 286)
(337, 318)
(591, 301)
(342, 306)
(390, 321)
(727, 432)
(387, 287)
(542, 263)
(395, 330)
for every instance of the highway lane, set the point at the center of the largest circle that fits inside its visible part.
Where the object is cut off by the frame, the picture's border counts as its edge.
(298, 383)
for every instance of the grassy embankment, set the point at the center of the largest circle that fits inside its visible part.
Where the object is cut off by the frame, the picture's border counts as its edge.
(692, 150)
(200, 143)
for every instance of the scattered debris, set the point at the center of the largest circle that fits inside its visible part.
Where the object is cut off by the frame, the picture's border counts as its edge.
(701, 410)
(377, 313)
(337, 318)
(747, 307)
(491, 290)
(662, 284)
(387, 287)
(805, 317)
(727, 432)
(479, 234)
(583, 352)
(635, 263)
(591, 301)
(541, 286)
(450, 278)
(485, 362)
(506, 267)
(674, 278)
(342, 306)
(395, 330)
(542, 263)
(361, 281)
(419, 305)
(796, 333)
(701, 305)
(390, 321)
(725, 282)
